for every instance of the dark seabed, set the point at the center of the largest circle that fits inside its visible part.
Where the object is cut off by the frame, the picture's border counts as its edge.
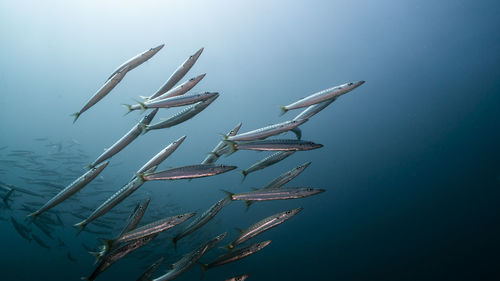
(410, 163)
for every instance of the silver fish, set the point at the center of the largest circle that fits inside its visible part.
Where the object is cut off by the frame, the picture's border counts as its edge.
(322, 96)
(138, 60)
(190, 259)
(172, 102)
(201, 220)
(109, 85)
(266, 162)
(184, 115)
(188, 172)
(272, 145)
(262, 226)
(126, 139)
(40, 241)
(154, 227)
(275, 194)
(181, 89)
(161, 156)
(111, 202)
(71, 189)
(119, 254)
(310, 112)
(178, 73)
(286, 177)
(214, 155)
(267, 131)
(236, 254)
(146, 276)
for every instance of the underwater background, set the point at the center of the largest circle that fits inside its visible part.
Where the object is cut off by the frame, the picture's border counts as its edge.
(410, 163)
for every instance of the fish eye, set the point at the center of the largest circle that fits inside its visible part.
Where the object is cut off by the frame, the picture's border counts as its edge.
(309, 189)
(179, 216)
(350, 84)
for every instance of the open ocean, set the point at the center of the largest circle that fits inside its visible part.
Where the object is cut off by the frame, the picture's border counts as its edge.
(410, 160)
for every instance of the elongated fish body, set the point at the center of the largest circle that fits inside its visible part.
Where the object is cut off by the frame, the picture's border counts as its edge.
(189, 172)
(286, 177)
(182, 116)
(323, 95)
(39, 241)
(276, 194)
(201, 220)
(190, 259)
(109, 85)
(268, 161)
(21, 229)
(154, 227)
(161, 156)
(181, 89)
(214, 154)
(112, 201)
(146, 276)
(237, 254)
(119, 254)
(71, 189)
(312, 110)
(178, 74)
(126, 139)
(273, 145)
(268, 131)
(179, 100)
(262, 226)
(238, 278)
(138, 59)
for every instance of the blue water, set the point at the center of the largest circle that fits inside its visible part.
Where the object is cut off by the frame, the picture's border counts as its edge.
(410, 161)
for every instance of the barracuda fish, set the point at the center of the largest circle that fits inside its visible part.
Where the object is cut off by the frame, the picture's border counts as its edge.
(133, 220)
(68, 254)
(262, 226)
(271, 145)
(214, 155)
(40, 242)
(183, 88)
(146, 276)
(126, 139)
(201, 220)
(21, 229)
(238, 278)
(188, 172)
(111, 202)
(109, 85)
(151, 228)
(286, 177)
(310, 112)
(266, 162)
(275, 194)
(20, 189)
(178, 74)
(268, 131)
(138, 60)
(46, 230)
(322, 96)
(71, 189)
(161, 156)
(171, 102)
(119, 254)
(182, 116)
(236, 254)
(190, 259)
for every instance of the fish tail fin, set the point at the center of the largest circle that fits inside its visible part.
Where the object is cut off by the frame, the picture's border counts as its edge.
(80, 226)
(142, 105)
(232, 146)
(33, 215)
(174, 240)
(144, 98)
(97, 256)
(76, 115)
(283, 110)
(141, 176)
(204, 268)
(244, 173)
(128, 107)
(145, 128)
(229, 194)
(298, 132)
